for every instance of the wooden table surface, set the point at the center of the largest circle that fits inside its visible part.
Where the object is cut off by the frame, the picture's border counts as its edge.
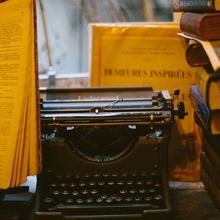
(192, 202)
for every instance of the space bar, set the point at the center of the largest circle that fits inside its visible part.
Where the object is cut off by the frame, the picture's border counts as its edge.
(61, 207)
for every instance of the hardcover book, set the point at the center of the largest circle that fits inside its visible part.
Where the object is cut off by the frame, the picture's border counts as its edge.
(212, 49)
(19, 121)
(209, 118)
(205, 26)
(145, 54)
(196, 55)
(209, 85)
(196, 5)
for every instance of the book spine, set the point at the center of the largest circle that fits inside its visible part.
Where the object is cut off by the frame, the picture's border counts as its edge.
(211, 187)
(212, 155)
(190, 23)
(193, 5)
(199, 104)
(209, 167)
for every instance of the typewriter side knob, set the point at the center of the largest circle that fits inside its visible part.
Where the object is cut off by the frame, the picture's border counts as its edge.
(180, 110)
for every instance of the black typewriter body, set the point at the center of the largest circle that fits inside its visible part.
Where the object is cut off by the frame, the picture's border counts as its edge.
(104, 157)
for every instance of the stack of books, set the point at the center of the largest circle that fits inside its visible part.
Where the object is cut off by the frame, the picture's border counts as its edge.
(200, 26)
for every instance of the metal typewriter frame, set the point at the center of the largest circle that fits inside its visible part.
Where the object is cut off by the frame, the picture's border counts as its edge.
(156, 113)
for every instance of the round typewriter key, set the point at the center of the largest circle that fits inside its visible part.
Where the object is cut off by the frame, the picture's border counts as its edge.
(152, 190)
(92, 183)
(118, 198)
(123, 191)
(94, 191)
(114, 174)
(128, 199)
(111, 183)
(99, 200)
(157, 185)
(48, 200)
(120, 183)
(86, 175)
(134, 174)
(148, 198)
(72, 185)
(68, 176)
(65, 192)
(69, 201)
(79, 201)
(132, 191)
(85, 192)
(53, 185)
(58, 176)
(96, 175)
(104, 196)
(105, 175)
(139, 182)
(124, 175)
(56, 192)
(75, 193)
(149, 182)
(142, 191)
(82, 184)
(130, 182)
(109, 199)
(158, 197)
(63, 184)
(101, 183)
(89, 200)
(138, 198)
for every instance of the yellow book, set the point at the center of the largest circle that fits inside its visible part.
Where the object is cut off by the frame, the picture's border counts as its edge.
(147, 54)
(209, 85)
(19, 121)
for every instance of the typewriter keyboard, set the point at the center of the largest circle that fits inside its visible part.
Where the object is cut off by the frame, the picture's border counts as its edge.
(107, 191)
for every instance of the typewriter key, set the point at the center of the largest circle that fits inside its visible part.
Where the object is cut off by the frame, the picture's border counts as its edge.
(128, 199)
(111, 183)
(92, 183)
(109, 199)
(69, 201)
(48, 200)
(85, 192)
(63, 184)
(158, 197)
(89, 200)
(101, 183)
(75, 193)
(65, 192)
(82, 184)
(99, 200)
(118, 198)
(56, 192)
(72, 185)
(142, 191)
(79, 201)
(138, 198)
(93, 191)
(133, 191)
(123, 191)
(148, 198)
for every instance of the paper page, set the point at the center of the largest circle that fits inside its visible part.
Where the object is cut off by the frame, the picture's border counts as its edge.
(14, 21)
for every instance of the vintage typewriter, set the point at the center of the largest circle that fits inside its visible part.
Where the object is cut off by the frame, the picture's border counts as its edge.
(105, 153)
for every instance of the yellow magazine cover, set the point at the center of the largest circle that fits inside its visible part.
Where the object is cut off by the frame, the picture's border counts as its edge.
(149, 54)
